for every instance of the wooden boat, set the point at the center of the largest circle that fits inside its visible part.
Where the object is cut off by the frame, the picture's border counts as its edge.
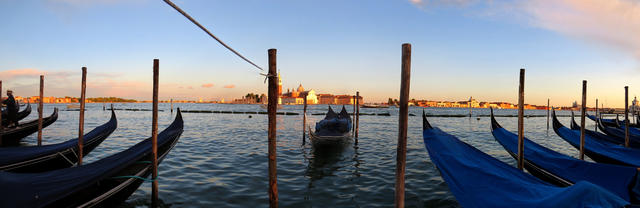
(334, 129)
(600, 136)
(104, 183)
(54, 156)
(618, 134)
(599, 151)
(21, 115)
(564, 170)
(606, 122)
(374, 106)
(12, 136)
(478, 180)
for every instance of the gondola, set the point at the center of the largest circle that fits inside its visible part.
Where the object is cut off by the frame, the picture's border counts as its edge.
(479, 180)
(12, 136)
(606, 122)
(22, 114)
(334, 129)
(563, 170)
(104, 183)
(600, 136)
(618, 134)
(599, 151)
(54, 156)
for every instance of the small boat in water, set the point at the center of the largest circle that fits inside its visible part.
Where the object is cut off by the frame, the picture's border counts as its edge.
(374, 106)
(104, 183)
(12, 136)
(31, 159)
(334, 129)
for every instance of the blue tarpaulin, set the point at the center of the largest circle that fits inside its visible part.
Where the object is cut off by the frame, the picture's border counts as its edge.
(479, 180)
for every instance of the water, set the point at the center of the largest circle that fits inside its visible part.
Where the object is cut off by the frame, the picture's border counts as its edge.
(221, 159)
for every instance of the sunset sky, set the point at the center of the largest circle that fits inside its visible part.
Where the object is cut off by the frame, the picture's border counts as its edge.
(461, 48)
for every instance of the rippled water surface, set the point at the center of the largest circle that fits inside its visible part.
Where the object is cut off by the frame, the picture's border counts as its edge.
(221, 159)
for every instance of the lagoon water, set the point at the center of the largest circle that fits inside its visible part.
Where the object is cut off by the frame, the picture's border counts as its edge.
(221, 159)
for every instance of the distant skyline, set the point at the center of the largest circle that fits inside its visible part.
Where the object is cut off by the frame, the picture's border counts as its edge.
(461, 48)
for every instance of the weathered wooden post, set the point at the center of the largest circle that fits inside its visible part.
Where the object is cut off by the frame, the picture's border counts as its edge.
(548, 111)
(1, 126)
(469, 105)
(154, 133)
(405, 80)
(357, 114)
(521, 121)
(584, 110)
(83, 90)
(353, 124)
(596, 127)
(40, 108)
(304, 119)
(272, 108)
(104, 106)
(171, 105)
(626, 116)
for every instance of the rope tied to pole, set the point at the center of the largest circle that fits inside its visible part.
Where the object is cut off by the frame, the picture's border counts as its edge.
(135, 177)
(266, 76)
(210, 34)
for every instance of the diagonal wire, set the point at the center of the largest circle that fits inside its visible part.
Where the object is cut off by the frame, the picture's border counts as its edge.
(210, 34)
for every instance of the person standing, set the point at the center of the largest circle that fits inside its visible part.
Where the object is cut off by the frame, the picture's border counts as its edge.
(12, 109)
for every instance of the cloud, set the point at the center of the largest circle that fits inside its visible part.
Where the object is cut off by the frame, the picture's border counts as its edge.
(32, 73)
(614, 24)
(207, 85)
(190, 87)
(230, 86)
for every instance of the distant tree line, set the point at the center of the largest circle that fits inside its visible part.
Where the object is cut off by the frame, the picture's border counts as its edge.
(111, 100)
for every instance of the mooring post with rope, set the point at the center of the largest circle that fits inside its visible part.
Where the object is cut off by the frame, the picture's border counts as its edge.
(401, 158)
(521, 121)
(272, 108)
(154, 134)
(83, 90)
(583, 110)
(40, 108)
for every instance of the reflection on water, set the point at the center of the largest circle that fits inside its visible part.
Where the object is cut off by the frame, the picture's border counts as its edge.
(221, 159)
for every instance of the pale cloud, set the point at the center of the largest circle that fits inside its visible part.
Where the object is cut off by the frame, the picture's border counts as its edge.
(614, 24)
(229, 86)
(207, 85)
(190, 87)
(31, 73)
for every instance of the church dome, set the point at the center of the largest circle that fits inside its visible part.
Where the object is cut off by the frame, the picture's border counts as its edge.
(300, 88)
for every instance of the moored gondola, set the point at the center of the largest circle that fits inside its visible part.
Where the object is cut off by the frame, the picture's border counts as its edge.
(606, 122)
(12, 136)
(21, 115)
(478, 180)
(53, 156)
(334, 129)
(600, 136)
(563, 170)
(104, 183)
(597, 150)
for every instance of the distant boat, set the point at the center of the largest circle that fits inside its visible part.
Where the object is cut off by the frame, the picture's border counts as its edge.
(73, 106)
(374, 106)
(334, 129)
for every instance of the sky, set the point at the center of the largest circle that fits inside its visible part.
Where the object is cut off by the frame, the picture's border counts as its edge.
(460, 48)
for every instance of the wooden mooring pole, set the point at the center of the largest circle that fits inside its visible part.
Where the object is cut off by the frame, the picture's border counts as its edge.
(596, 127)
(272, 108)
(1, 126)
(40, 108)
(548, 111)
(626, 116)
(583, 110)
(405, 80)
(357, 114)
(83, 90)
(171, 105)
(521, 121)
(304, 119)
(353, 123)
(154, 133)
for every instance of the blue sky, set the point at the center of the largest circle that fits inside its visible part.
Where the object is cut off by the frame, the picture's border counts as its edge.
(461, 48)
